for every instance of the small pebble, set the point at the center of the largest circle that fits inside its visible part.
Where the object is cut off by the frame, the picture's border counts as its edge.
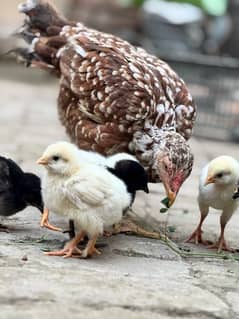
(24, 258)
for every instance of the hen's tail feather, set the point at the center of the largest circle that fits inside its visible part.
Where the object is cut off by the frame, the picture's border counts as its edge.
(41, 30)
(23, 55)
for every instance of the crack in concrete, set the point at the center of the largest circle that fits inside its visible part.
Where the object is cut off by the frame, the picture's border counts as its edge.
(158, 310)
(22, 300)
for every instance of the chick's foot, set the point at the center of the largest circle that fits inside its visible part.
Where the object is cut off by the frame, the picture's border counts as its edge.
(45, 221)
(70, 249)
(66, 252)
(221, 245)
(196, 237)
(90, 249)
(4, 229)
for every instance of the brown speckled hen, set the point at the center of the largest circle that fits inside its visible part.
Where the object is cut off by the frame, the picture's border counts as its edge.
(114, 97)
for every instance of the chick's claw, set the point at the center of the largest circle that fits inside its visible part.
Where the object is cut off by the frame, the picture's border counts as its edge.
(65, 252)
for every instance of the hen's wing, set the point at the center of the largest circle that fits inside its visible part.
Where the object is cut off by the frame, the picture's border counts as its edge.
(101, 94)
(110, 89)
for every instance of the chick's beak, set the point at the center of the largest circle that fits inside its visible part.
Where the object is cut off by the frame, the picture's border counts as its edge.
(209, 180)
(42, 161)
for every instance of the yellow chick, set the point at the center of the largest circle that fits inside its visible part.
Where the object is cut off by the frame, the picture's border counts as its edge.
(88, 194)
(217, 184)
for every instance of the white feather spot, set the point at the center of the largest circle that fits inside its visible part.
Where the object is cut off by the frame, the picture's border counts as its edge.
(100, 96)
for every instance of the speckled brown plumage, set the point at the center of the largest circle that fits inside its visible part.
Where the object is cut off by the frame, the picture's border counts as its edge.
(113, 96)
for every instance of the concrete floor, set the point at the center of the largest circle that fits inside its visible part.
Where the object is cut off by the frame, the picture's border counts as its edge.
(134, 277)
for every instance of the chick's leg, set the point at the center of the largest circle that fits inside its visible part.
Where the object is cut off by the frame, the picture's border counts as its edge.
(196, 236)
(90, 248)
(70, 248)
(4, 229)
(45, 221)
(221, 243)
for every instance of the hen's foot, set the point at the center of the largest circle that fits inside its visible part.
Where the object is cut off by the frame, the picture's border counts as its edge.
(127, 226)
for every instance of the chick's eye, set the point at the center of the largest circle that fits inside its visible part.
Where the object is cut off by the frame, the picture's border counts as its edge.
(219, 175)
(55, 158)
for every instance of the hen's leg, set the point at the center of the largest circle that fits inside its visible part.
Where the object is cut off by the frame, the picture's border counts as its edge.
(196, 236)
(45, 221)
(70, 248)
(221, 243)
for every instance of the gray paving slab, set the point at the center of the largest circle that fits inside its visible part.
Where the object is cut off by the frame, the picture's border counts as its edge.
(134, 277)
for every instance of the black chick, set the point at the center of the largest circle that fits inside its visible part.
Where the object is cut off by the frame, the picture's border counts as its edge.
(17, 189)
(132, 174)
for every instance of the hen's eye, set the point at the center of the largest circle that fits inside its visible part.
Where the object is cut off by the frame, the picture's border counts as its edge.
(219, 175)
(55, 158)
(166, 166)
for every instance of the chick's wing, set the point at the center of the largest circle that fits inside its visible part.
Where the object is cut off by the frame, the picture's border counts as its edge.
(84, 192)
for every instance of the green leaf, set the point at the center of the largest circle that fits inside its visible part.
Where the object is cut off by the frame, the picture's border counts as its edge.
(165, 201)
(171, 229)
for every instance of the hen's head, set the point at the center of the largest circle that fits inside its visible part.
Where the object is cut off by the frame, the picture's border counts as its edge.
(223, 170)
(172, 162)
(61, 158)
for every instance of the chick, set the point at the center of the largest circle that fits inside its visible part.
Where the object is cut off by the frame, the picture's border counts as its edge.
(217, 183)
(86, 193)
(17, 189)
(131, 172)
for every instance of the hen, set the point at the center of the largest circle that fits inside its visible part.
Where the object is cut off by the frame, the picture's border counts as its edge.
(114, 97)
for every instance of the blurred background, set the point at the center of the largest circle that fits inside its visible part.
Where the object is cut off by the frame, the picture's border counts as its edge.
(199, 39)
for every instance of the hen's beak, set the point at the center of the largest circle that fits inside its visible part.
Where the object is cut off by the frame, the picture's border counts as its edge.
(210, 180)
(170, 194)
(42, 161)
